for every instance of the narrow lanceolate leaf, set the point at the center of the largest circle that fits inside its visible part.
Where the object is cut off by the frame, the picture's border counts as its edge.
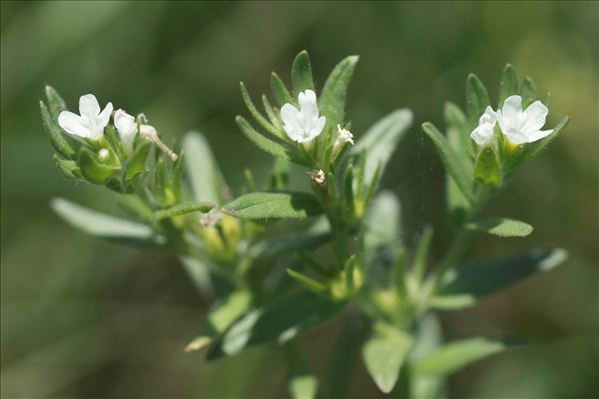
(487, 169)
(274, 205)
(59, 143)
(509, 84)
(220, 318)
(203, 173)
(458, 133)
(137, 163)
(465, 285)
(308, 282)
(301, 73)
(381, 140)
(501, 227)
(55, 102)
(183, 209)
(260, 141)
(303, 386)
(278, 322)
(272, 116)
(384, 354)
(458, 167)
(529, 91)
(332, 98)
(526, 152)
(247, 99)
(428, 338)
(477, 99)
(279, 90)
(106, 226)
(457, 355)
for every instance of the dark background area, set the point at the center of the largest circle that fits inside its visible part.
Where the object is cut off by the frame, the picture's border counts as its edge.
(85, 318)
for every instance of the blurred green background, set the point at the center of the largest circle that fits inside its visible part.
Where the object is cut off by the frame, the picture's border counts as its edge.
(84, 318)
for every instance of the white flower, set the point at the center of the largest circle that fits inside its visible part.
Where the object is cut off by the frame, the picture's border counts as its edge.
(304, 125)
(344, 136)
(523, 126)
(91, 123)
(483, 134)
(127, 128)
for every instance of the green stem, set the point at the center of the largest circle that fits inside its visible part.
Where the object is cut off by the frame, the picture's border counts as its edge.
(461, 242)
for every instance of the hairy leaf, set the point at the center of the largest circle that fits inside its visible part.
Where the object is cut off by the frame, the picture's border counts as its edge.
(477, 99)
(301, 73)
(501, 227)
(457, 355)
(332, 98)
(384, 354)
(106, 226)
(203, 173)
(274, 205)
(183, 209)
(458, 167)
(277, 322)
(465, 285)
(381, 140)
(509, 84)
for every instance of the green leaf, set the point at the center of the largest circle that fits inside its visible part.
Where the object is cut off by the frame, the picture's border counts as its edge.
(68, 168)
(203, 173)
(458, 167)
(428, 338)
(279, 90)
(274, 205)
(477, 99)
(308, 282)
(290, 243)
(384, 354)
(332, 98)
(526, 152)
(487, 168)
(457, 355)
(458, 134)
(422, 251)
(106, 226)
(501, 227)
(301, 73)
(137, 163)
(55, 102)
(54, 132)
(381, 140)
(220, 318)
(465, 285)
(262, 142)
(277, 322)
(94, 170)
(183, 209)
(247, 99)
(529, 92)
(509, 84)
(303, 386)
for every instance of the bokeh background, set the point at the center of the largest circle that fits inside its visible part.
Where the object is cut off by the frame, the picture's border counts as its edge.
(83, 318)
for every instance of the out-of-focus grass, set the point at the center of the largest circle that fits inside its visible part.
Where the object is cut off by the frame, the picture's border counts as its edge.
(82, 318)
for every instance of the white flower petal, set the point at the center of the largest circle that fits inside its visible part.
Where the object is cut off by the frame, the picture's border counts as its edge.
(89, 107)
(535, 115)
(308, 106)
(104, 116)
(489, 116)
(483, 134)
(516, 137)
(538, 135)
(73, 124)
(127, 128)
(317, 128)
(512, 106)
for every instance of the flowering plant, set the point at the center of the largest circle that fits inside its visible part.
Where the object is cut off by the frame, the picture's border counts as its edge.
(349, 260)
